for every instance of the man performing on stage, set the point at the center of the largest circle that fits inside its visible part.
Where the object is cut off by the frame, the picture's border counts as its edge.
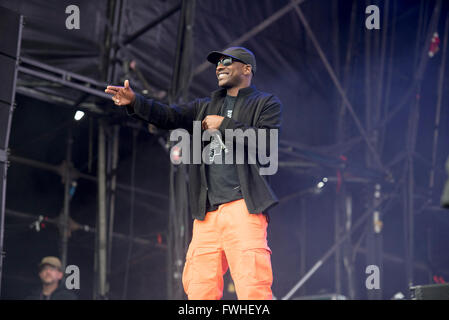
(228, 201)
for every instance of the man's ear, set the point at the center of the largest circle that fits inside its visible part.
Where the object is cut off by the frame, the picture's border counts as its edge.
(247, 68)
(60, 275)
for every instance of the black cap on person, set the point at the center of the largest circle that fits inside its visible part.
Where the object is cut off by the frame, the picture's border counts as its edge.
(239, 53)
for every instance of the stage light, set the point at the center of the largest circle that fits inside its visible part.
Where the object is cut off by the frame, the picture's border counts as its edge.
(320, 185)
(79, 115)
(398, 296)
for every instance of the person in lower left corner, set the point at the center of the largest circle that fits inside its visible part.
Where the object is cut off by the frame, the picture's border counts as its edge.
(53, 288)
(445, 196)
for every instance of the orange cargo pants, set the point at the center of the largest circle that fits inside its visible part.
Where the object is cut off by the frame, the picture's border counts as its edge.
(229, 236)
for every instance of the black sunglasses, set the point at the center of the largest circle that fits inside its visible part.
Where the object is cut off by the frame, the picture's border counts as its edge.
(227, 61)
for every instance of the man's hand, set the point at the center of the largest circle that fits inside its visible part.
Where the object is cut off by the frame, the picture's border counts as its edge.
(121, 96)
(211, 122)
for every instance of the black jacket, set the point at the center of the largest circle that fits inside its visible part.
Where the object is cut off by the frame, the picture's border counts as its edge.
(253, 109)
(61, 293)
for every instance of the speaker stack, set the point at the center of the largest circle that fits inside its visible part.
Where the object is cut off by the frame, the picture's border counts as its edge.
(430, 292)
(10, 37)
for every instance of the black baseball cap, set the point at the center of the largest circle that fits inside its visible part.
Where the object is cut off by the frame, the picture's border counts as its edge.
(242, 54)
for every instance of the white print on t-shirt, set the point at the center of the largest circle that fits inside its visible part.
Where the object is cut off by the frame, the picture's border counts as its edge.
(251, 146)
(215, 145)
(215, 149)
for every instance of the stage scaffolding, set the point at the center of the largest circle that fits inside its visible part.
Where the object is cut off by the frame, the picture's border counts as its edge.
(372, 133)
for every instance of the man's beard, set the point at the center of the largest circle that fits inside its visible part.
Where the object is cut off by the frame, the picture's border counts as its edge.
(231, 83)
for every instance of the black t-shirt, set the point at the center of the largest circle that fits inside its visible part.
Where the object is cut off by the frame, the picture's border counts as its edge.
(222, 179)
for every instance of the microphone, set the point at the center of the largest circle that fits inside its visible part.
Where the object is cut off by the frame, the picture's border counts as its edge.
(223, 146)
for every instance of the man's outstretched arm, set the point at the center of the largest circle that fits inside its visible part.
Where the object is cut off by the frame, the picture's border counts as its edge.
(152, 111)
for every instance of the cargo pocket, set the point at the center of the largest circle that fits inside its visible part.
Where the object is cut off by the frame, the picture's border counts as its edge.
(205, 263)
(187, 272)
(257, 266)
(203, 274)
(202, 267)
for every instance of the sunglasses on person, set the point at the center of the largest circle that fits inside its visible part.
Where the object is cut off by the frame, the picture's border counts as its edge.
(227, 61)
